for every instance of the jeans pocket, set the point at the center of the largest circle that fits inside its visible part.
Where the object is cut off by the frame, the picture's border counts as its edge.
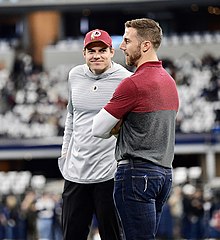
(146, 188)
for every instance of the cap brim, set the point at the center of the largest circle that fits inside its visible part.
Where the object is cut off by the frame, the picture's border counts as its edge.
(96, 41)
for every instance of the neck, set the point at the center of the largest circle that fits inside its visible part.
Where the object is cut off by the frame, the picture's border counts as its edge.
(146, 58)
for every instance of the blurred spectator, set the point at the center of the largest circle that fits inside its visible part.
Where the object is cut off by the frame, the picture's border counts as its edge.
(29, 211)
(176, 208)
(45, 207)
(2, 221)
(57, 230)
(23, 67)
(214, 224)
(11, 219)
(193, 218)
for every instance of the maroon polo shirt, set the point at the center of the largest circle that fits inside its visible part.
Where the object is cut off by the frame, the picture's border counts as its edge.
(148, 103)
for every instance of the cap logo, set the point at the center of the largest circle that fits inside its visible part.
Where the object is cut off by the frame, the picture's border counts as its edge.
(95, 34)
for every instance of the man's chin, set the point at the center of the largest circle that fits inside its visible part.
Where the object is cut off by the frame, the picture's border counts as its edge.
(98, 70)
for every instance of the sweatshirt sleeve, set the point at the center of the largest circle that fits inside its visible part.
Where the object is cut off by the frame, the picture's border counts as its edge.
(68, 129)
(67, 133)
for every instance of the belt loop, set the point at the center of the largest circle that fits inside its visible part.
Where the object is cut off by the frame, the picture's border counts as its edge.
(132, 163)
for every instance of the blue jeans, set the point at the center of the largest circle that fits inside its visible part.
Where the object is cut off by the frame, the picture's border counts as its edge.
(141, 189)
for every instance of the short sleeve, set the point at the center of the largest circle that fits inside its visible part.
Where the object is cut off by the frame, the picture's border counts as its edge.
(123, 100)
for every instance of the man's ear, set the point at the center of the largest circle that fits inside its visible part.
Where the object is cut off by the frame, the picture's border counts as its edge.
(145, 46)
(84, 52)
(112, 50)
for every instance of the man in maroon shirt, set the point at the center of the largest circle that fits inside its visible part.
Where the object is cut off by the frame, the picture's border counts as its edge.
(143, 110)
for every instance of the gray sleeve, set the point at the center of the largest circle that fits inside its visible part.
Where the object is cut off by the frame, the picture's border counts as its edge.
(69, 105)
(68, 125)
(67, 133)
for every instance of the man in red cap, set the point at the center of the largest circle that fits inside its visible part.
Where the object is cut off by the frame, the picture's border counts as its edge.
(87, 163)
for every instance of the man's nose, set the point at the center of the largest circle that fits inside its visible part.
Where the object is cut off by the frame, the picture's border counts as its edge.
(96, 55)
(121, 46)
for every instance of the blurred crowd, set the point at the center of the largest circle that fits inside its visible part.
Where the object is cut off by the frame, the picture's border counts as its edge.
(198, 82)
(28, 209)
(34, 212)
(32, 216)
(33, 102)
(31, 207)
(191, 213)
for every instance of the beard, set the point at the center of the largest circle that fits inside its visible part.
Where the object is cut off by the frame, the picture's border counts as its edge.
(132, 59)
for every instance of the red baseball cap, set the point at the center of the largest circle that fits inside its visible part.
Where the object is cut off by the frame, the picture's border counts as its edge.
(97, 35)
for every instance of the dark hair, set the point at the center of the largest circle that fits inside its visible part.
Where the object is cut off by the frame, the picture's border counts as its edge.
(147, 29)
